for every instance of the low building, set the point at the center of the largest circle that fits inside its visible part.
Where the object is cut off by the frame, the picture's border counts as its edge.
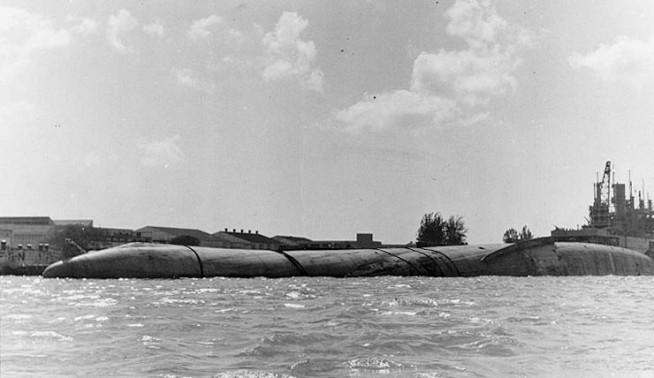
(246, 240)
(366, 241)
(25, 242)
(363, 240)
(73, 222)
(292, 242)
(112, 237)
(165, 235)
(26, 231)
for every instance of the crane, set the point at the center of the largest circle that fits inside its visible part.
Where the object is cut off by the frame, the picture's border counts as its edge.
(599, 212)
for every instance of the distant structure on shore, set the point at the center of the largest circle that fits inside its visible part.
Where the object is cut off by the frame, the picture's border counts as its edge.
(615, 218)
(27, 242)
(29, 232)
(248, 239)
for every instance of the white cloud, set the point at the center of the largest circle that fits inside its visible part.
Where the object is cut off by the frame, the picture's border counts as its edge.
(189, 78)
(23, 34)
(476, 22)
(288, 56)
(483, 70)
(626, 59)
(155, 29)
(200, 28)
(119, 24)
(473, 75)
(384, 111)
(447, 84)
(84, 25)
(165, 152)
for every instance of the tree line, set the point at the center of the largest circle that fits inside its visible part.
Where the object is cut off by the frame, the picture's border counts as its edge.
(513, 236)
(437, 230)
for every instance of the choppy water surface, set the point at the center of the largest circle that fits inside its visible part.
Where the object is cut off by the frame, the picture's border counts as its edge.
(324, 327)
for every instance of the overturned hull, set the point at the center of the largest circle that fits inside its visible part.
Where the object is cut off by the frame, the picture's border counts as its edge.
(534, 258)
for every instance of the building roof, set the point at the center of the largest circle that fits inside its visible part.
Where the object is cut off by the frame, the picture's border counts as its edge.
(116, 230)
(292, 240)
(73, 222)
(32, 221)
(351, 242)
(249, 237)
(199, 234)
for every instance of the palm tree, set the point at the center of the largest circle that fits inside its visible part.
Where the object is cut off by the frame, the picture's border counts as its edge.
(525, 234)
(435, 230)
(512, 236)
(455, 231)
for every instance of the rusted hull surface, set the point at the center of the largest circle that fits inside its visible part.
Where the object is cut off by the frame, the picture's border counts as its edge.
(534, 258)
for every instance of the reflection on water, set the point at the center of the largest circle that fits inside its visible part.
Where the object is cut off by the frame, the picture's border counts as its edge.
(324, 327)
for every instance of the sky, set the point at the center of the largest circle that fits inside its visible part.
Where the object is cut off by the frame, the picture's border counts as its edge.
(323, 119)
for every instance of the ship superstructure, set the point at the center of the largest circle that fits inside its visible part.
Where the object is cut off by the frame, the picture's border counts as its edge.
(616, 216)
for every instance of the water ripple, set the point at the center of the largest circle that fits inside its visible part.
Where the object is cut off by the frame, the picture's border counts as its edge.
(325, 327)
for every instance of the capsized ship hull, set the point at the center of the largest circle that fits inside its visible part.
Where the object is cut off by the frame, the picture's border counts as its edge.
(537, 257)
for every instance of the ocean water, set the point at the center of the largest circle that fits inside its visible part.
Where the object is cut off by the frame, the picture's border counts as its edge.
(326, 327)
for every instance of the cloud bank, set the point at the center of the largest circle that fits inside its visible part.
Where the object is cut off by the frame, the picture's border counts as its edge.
(290, 57)
(118, 24)
(189, 78)
(626, 60)
(200, 28)
(22, 36)
(447, 83)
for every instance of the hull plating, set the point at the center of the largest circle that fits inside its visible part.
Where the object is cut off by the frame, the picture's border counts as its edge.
(534, 258)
